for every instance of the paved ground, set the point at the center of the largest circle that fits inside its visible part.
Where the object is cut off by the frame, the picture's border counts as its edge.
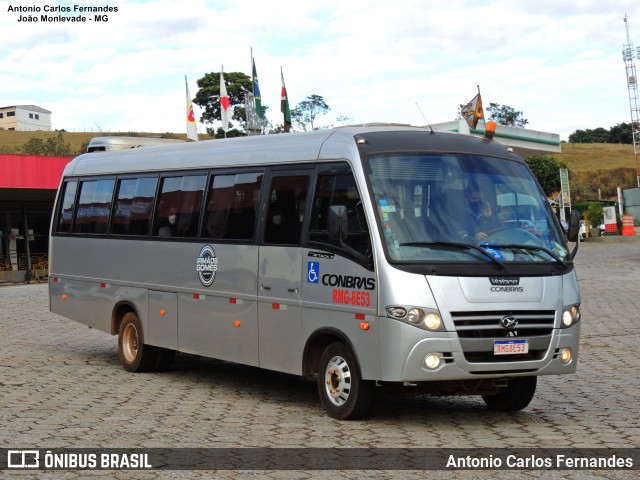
(61, 386)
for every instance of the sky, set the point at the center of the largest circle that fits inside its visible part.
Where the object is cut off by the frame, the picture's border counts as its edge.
(558, 62)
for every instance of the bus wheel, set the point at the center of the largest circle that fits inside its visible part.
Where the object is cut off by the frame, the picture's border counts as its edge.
(516, 396)
(343, 393)
(134, 355)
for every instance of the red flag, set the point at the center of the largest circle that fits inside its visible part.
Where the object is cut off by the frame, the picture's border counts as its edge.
(192, 131)
(284, 105)
(225, 113)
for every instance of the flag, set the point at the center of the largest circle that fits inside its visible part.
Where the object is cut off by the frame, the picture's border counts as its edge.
(225, 112)
(284, 105)
(256, 91)
(192, 131)
(472, 111)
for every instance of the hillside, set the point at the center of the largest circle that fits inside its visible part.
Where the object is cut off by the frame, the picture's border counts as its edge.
(13, 139)
(585, 157)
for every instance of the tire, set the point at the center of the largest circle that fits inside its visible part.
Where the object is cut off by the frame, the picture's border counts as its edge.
(343, 393)
(134, 355)
(516, 396)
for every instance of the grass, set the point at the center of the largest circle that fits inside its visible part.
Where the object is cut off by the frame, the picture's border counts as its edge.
(586, 157)
(10, 139)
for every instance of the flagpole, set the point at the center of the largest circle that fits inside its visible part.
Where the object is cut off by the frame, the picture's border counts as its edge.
(484, 121)
(221, 107)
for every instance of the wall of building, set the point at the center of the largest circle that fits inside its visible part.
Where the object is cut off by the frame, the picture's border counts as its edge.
(25, 119)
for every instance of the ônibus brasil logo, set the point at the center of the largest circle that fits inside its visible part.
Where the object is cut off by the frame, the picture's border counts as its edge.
(207, 265)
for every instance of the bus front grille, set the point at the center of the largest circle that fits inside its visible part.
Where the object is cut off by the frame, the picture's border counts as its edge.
(477, 332)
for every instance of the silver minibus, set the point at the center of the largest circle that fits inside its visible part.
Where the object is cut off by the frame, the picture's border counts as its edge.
(368, 257)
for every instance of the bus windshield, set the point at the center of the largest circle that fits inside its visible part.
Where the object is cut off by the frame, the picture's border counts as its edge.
(462, 208)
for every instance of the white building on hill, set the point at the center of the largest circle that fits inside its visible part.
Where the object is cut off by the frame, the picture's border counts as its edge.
(24, 117)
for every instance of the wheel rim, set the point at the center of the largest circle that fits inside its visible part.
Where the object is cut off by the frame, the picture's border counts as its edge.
(130, 343)
(337, 378)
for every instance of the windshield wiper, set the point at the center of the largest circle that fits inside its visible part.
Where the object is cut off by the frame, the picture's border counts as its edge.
(465, 246)
(530, 247)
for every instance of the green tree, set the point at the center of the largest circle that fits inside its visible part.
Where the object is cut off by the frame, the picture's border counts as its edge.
(547, 171)
(208, 98)
(54, 146)
(597, 135)
(308, 110)
(506, 115)
(621, 133)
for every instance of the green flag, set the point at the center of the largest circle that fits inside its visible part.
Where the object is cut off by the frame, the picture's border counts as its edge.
(256, 91)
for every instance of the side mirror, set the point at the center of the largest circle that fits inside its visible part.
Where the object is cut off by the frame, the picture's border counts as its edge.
(337, 222)
(574, 227)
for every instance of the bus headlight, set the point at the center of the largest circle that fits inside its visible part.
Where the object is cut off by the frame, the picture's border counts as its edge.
(431, 361)
(433, 321)
(426, 319)
(415, 315)
(570, 316)
(566, 356)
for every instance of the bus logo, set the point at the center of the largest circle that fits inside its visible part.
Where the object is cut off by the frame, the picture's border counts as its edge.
(313, 272)
(207, 265)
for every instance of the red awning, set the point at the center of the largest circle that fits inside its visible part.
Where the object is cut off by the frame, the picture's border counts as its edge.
(31, 171)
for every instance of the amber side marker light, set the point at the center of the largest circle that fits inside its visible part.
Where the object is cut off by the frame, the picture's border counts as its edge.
(490, 130)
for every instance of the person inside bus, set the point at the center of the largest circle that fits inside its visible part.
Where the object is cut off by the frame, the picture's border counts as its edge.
(482, 218)
(168, 223)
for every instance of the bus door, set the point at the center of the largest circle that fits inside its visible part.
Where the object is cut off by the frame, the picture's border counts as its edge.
(280, 272)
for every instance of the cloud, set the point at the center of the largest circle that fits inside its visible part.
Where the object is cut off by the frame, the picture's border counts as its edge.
(557, 62)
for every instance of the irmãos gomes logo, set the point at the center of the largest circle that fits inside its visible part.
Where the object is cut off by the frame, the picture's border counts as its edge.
(207, 265)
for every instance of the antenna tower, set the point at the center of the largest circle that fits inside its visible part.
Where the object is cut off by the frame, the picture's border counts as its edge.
(628, 55)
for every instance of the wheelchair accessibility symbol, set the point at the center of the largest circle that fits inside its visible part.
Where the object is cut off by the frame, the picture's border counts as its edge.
(313, 272)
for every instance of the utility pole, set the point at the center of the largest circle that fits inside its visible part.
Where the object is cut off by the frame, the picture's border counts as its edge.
(628, 55)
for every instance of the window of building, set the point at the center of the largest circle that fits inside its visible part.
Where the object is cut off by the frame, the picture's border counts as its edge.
(133, 207)
(31, 115)
(232, 206)
(36, 116)
(179, 207)
(11, 114)
(2, 115)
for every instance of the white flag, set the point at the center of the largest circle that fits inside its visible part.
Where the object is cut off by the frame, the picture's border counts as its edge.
(225, 111)
(192, 131)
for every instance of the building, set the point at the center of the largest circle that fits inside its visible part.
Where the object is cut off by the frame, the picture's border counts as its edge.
(25, 117)
(28, 185)
(523, 141)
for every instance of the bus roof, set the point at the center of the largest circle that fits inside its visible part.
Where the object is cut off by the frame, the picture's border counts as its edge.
(101, 144)
(319, 145)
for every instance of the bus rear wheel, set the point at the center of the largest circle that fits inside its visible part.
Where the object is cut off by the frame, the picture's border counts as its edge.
(134, 355)
(516, 396)
(343, 393)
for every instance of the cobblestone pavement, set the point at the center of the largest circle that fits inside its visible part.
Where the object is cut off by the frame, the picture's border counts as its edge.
(61, 386)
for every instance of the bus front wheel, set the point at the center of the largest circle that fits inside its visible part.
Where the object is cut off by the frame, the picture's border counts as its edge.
(343, 393)
(516, 396)
(134, 355)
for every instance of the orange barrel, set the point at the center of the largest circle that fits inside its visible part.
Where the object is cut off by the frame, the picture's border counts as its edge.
(627, 225)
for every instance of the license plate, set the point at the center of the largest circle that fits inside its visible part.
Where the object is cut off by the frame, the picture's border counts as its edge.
(510, 347)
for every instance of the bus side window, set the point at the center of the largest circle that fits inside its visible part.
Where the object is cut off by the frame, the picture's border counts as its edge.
(339, 189)
(178, 210)
(65, 214)
(133, 205)
(231, 207)
(285, 209)
(94, 206)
